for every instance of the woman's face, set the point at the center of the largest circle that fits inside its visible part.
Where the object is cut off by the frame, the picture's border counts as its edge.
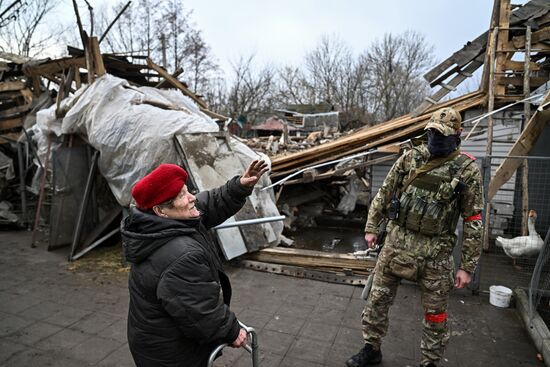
(183, 206)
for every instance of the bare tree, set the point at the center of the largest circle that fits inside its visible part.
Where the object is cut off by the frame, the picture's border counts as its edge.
(250, 92)
(331, 75)
(198, 61)
(134, 33)
(395, 65)
(23, 30)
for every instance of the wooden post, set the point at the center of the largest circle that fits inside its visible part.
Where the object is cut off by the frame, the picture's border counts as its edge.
(502, 43)
(527, 116)
(98, 59)
(77, 77)
(490, 108)
(285, 132)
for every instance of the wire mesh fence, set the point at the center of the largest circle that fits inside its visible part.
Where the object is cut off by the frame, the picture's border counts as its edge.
(519, 213)
(539, 288)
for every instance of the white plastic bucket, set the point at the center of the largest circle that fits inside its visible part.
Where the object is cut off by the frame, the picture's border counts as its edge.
(499, 296)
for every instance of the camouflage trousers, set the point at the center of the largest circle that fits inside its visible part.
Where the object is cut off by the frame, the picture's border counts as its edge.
(435, 278)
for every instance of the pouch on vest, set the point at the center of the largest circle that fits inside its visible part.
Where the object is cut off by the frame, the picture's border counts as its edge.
(404, 266)
(415, 214)
(434, 221)
(404, 206)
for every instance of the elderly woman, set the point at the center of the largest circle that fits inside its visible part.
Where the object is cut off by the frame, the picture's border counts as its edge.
(179, 295)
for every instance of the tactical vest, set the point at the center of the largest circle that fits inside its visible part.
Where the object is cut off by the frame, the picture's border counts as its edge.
(430, 203)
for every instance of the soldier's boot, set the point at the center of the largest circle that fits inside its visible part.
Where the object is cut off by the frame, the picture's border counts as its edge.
(429, 364)
(366, 356)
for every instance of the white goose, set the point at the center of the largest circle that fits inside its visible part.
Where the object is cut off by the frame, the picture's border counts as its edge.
(524, 245)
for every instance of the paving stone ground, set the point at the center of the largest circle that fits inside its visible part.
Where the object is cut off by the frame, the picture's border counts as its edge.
(51, 315)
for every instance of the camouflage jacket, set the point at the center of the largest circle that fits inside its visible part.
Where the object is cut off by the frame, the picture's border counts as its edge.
(470, 205)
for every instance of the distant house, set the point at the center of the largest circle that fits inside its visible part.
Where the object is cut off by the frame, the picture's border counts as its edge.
(309, 118)
(272, 126)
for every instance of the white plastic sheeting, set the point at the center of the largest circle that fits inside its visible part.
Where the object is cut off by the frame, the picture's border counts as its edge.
(131, 134)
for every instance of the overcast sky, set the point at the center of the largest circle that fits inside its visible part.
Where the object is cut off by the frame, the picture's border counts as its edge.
(282, 31)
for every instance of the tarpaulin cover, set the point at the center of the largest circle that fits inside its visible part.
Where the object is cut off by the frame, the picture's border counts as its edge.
(132, 135)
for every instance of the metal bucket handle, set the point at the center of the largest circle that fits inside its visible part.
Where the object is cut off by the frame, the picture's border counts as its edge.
(251, 347)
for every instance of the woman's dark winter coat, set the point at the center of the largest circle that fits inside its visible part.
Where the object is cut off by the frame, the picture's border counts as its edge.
(179, 294)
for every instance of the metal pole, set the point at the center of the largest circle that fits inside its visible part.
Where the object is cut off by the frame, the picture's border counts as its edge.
(250, 221)
(41, 193)
(22, 182)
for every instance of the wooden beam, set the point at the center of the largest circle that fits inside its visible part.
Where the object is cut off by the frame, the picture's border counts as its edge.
(520, 66)
(54, 66)
(311, 259)
(522, 147)
(15, 110)
(502, 43)
(17, 59)
(176, 83)
(9, 138)
(11, 123)
(535, 81)
(214, 115)
(11, 86)
(165, 83)
(98, 59)
(542, 34)
(369, 137)
(77, 80)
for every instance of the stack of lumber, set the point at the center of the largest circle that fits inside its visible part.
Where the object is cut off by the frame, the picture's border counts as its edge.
(332, 267)
(368, 138)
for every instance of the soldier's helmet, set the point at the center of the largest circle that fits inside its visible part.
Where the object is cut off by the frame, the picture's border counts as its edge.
(445, 120)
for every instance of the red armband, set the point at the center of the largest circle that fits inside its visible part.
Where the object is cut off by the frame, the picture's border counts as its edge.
(468, 155)
(436, 318)
(473, 217)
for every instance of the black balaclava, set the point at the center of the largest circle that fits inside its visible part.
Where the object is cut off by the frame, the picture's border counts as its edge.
(440, 145)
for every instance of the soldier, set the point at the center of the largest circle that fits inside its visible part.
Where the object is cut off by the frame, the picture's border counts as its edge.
(425, 192)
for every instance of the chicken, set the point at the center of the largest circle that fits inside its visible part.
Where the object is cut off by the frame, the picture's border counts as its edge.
(524, 245)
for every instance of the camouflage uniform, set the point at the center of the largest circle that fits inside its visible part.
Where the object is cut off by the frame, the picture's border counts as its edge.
(425, 258)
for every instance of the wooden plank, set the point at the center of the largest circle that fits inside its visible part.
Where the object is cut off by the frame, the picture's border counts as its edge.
(520, 66)
(9, 138)
(176, 83)
(454, 82)
(346, 276)
(15, 110)
(11, 123)
(214, 115)
(522, 147)
(36, 86)
(336, 172)
(77, 80)
(459, 58)
(535, 81)
(165, 83)
(502, 42)
(18, 59)
(310, 259)
(89, 57)
(12, 86)
(54, 66)
(344, 145)
(98, 59)
(542, 34)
